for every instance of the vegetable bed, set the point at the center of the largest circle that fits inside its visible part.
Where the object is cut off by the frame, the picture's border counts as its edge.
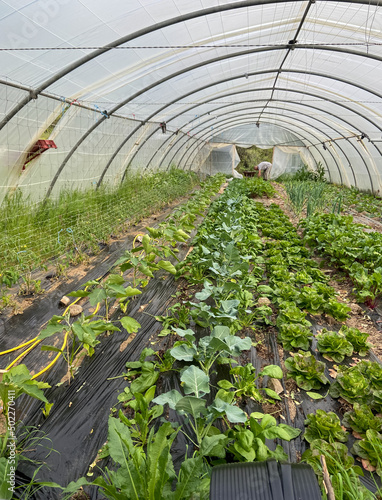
(254, 360)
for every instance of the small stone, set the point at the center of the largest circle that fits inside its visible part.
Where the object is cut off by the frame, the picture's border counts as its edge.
(65, 301)
(75, 310)
(264, 301)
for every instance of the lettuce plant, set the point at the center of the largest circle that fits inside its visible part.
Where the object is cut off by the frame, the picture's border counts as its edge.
(376, 403)
(292, 314)
(311, 300)
(333, 345)
(306, 371)
(326, 426)
(361, 418)
(372, 372)
(337, 310)
(351, 385)
(370, 449)
(295, 336)
(357, 339)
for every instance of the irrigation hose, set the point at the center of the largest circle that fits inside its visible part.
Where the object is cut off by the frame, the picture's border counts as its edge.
(23, 354)
(62, 348)
(54, 360)
(18, 347)
(35, 341)
(38, 341)
(30, 341)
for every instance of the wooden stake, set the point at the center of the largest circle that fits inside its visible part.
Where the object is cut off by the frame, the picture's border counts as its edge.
(327, 483)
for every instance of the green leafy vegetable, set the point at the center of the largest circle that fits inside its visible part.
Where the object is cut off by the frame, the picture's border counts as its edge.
(326, 426)
(361, 418)
(306, 371)
(357, 339)
(333, 345)
(294, 336)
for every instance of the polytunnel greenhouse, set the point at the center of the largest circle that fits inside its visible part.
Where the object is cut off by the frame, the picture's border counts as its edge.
(191, 249)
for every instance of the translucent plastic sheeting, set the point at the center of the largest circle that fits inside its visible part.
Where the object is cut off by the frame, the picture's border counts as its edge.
(223, 158)
(265, 136)
(177, 61)
(285, 160)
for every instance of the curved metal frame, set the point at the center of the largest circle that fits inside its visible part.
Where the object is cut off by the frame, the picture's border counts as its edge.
(132, 36)
(256, 100)
(234, 119)
(315, 128)
(183, 71)
(229, 126)
(320, 121)
(226, 95)
(339, 147)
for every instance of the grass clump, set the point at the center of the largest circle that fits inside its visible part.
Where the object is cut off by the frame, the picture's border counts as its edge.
(79, 222)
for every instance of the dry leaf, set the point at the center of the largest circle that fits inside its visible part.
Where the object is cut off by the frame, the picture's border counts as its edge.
(328, 358)
(356, 435)
(189, 251)
(333, 373)
(367, 465)
(142, 308)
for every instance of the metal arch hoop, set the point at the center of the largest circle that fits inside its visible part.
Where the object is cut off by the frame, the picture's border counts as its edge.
(312, 126)
(217, 109)
(229, 125)
(120, 41)
(330, 126)
(236, 93)
(191, 68)
(339, 147)
(259, 100)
